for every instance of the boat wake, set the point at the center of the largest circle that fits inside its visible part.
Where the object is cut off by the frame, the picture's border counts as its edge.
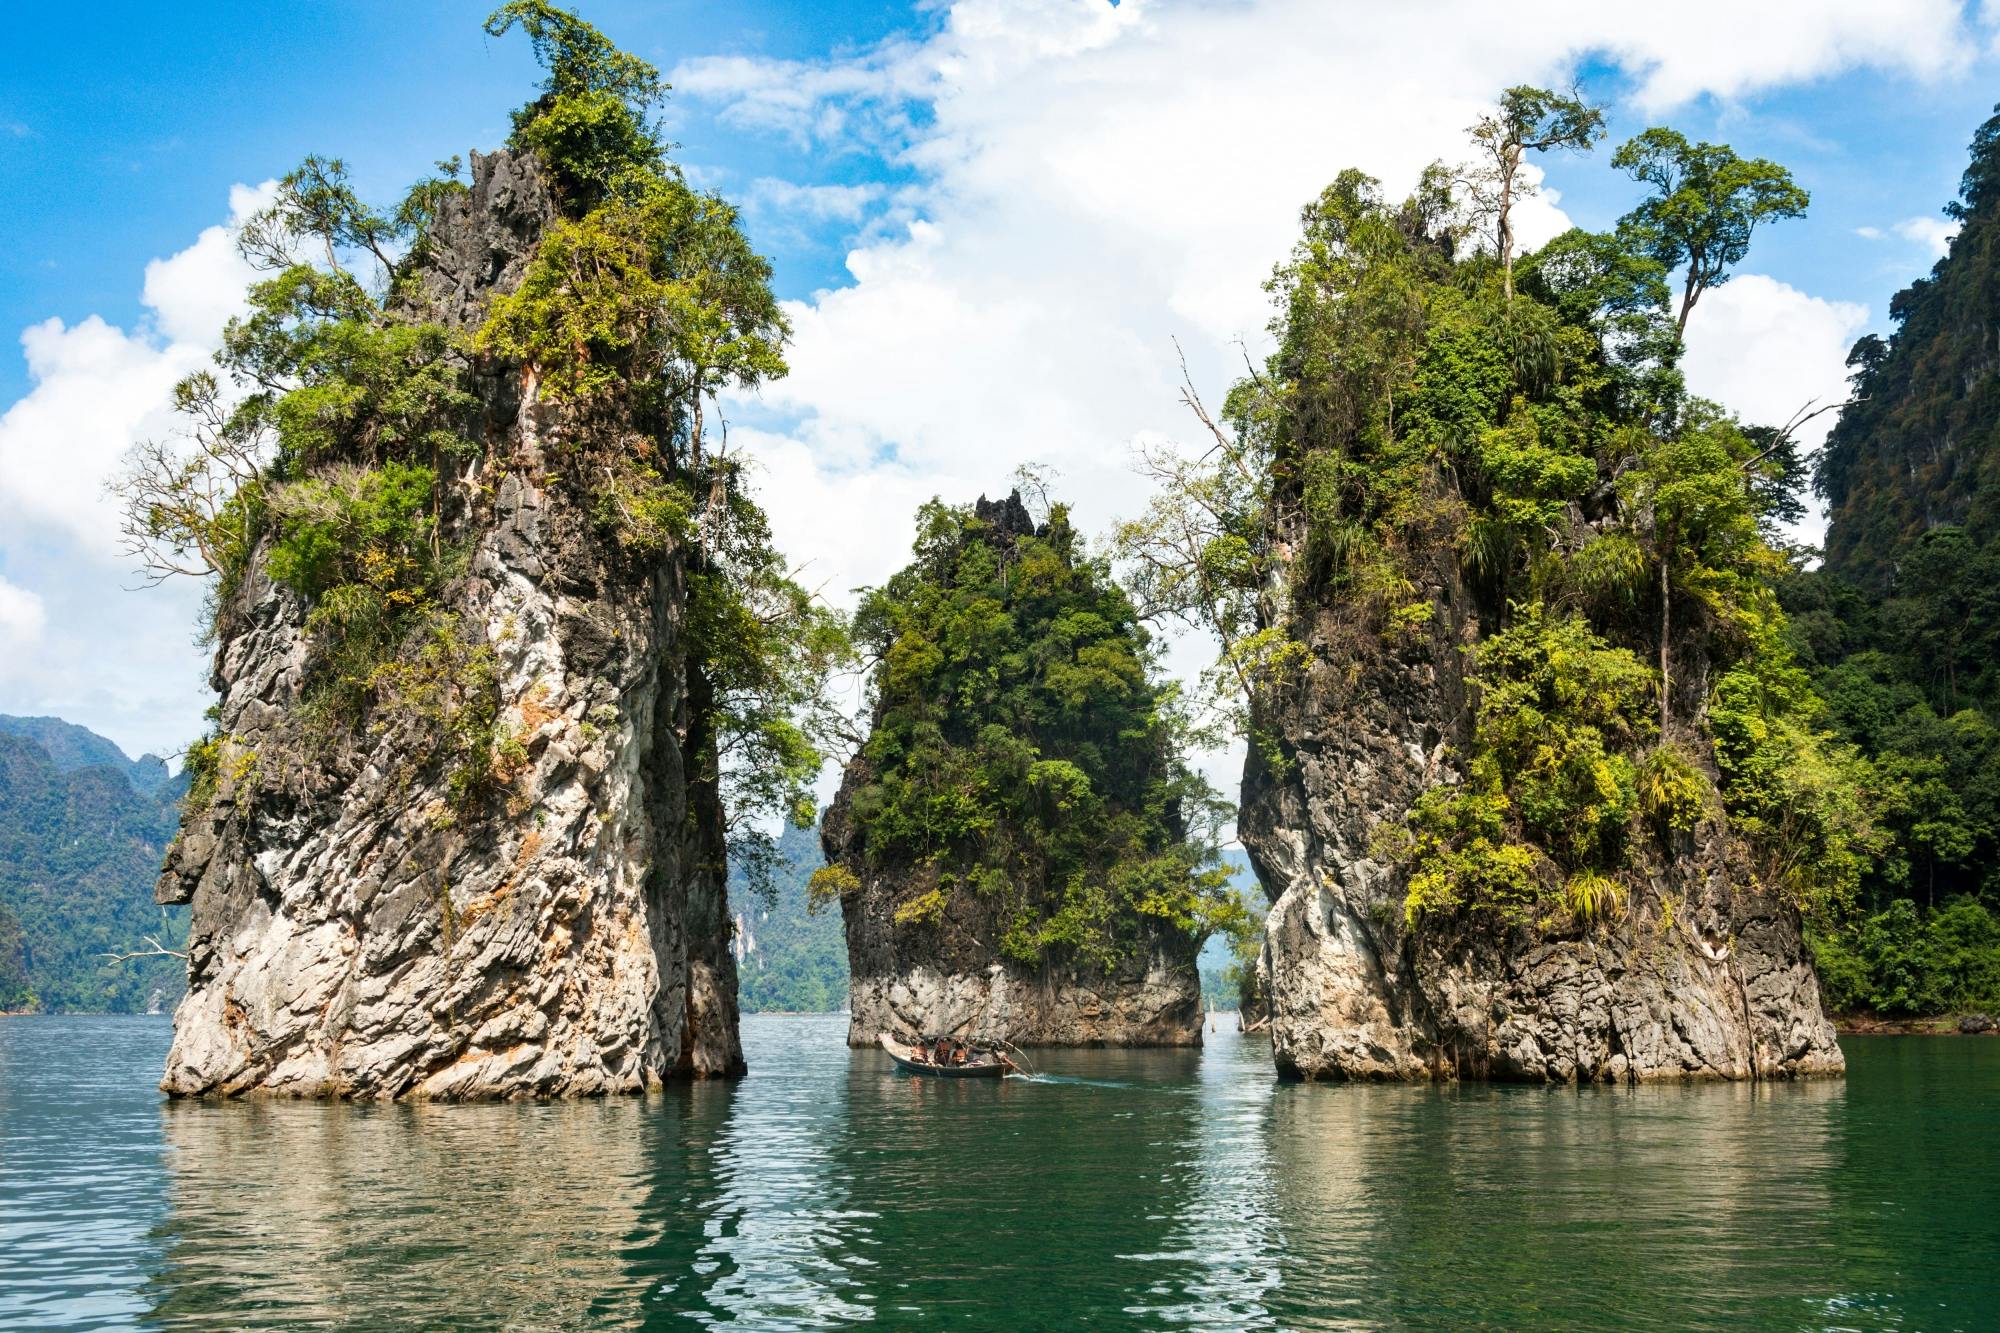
(1067, 1079)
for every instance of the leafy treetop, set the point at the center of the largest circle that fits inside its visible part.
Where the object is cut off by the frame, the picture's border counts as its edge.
(1023, 753)
(1706, 202)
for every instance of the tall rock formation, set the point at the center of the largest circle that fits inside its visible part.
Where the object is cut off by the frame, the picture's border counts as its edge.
(1533, 786)
(388, 912)
(1015, 802)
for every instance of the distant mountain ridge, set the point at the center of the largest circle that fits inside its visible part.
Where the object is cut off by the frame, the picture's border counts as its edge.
(71, 747)
(788, 960)
(83, 829)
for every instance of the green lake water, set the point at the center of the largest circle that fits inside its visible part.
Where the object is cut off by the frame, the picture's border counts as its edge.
(1146, 1190)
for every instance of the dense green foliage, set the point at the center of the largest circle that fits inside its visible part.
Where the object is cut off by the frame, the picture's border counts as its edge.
(1901, 628)
(1905, 963)
(80, 847)
(793, 954)
(1424, 419)
(590, 122)
(17, 989)
(1023, 749)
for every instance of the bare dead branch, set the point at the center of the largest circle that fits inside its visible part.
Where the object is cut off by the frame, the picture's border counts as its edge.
(158, 950)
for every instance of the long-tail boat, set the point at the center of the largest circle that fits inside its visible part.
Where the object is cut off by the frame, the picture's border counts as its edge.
(917, 1059)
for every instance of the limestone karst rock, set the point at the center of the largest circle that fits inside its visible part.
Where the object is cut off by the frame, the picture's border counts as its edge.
(359, 929)
(946, 971)
(947, 978)
(1534, 785)
(1721, 987)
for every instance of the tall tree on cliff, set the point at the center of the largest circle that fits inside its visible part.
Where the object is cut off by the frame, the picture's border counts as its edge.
(1526, 120)
(1706, 201)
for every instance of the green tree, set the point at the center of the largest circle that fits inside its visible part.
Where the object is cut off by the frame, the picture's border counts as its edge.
(1706, 202)
(590, 123)
(1526, 120)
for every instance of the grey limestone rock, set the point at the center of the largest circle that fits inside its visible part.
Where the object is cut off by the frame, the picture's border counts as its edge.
(951, 978)
(1704, 976)
(356, 930)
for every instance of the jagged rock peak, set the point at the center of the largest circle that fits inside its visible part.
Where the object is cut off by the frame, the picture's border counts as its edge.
(1006, 519)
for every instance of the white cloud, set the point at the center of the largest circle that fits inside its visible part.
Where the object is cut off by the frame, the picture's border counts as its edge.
(192, 294)
(121, 662)
(837, 203)
(1771, 353)
(1934, 234)
(21, 617)
(1768, 350)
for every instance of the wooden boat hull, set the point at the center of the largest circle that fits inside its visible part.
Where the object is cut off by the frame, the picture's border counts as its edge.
(905, 1058)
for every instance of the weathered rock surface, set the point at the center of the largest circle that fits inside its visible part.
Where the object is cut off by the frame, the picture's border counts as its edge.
(949, 979)
(1703, 977)
(945, 980)
(359, 931)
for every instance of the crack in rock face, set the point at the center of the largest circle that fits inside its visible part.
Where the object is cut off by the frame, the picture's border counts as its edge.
(358, 932)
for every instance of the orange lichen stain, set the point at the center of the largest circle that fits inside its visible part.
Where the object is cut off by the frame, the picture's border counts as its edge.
(535, 711)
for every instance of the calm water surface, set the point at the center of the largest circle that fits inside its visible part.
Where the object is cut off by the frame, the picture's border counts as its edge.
(1127, 1190)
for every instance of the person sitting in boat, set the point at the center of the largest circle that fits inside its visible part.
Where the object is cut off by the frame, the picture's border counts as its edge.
(941, 1053)
(959, 1054)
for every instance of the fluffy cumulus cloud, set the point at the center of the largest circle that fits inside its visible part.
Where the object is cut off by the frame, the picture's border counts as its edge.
(78, 641)
(1096, 183)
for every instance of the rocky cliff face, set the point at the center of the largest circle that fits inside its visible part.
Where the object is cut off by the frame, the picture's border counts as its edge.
(359, 929)
(948, 977)
(1702, 977)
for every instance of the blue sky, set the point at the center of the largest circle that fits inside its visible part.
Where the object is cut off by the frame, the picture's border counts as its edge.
(123, 125)
(994, 217)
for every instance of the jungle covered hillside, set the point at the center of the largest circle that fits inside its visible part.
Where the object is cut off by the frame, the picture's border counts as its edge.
(1901, 627)
(82, 830)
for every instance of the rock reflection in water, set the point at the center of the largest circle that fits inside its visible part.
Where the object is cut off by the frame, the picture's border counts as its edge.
(1134, 1189)
(475, 1215)
(1478, 1206)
